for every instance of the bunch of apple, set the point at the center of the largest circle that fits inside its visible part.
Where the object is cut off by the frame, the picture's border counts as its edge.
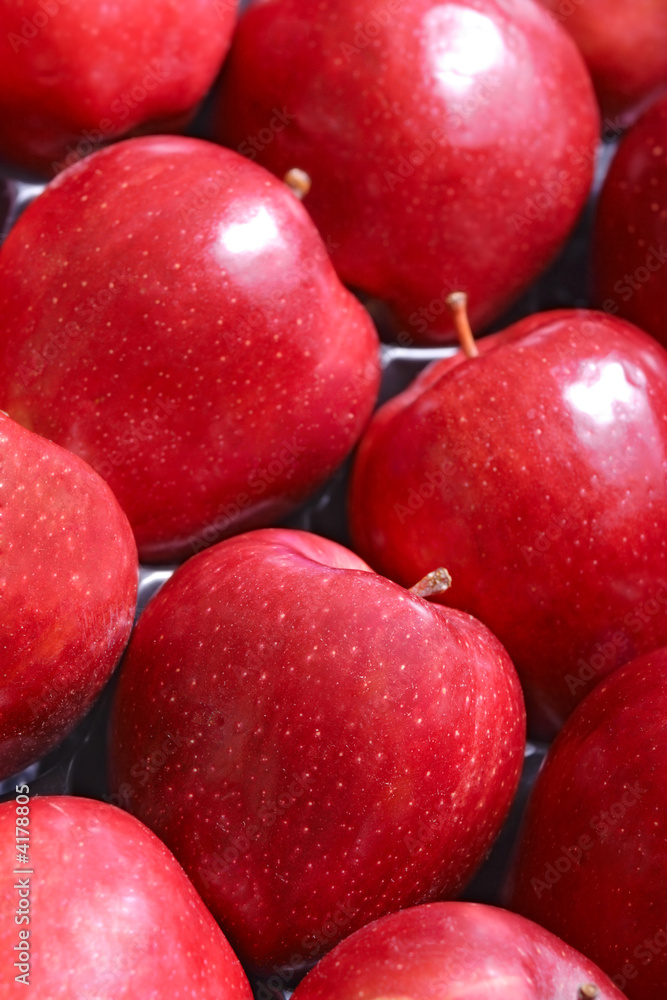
(320, 734)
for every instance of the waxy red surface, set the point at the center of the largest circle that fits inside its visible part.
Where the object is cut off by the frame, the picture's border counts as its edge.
(111, 914)
(594, 832)
(535, 474)
(452, 951)
(450, 145)
(171, 315)
(75, 74)
(337, 747)
(630, 248)
(68, 587)
(625, 48)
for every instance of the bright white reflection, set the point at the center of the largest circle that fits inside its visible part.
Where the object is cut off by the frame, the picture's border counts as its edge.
(598, 396)
(256, 233)
(461, 44)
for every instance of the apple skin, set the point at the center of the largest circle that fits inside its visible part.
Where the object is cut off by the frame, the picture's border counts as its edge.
(535, 474)
(443, 951)
(630, 240)
(491, 101)
(604, 780)
(112, 914)
(171, 316)
(77, 73)
(624, 45)
(338, 747)
(68, 579)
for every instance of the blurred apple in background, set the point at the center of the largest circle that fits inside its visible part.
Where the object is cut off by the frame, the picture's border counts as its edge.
(450, 146)
(592, 863)
(76, 73)
(338, 748)
(630, 245)
(110, 912)
(448, 951)
(68, 587)
(624, 45)
(171, 315)
(536, 474)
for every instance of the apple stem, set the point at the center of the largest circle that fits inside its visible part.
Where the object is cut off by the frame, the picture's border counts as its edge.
(433, 583)
(588, 992)
(458, 304)
(298, 181)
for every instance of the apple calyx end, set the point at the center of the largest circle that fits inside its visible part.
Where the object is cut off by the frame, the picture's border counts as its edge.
(298, 181)
(458, 306)
(433, 583)
(588, 992)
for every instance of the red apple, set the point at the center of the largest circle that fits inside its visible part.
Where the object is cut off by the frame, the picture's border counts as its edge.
(624, 45)
(630, 247)
(535, 473)
(68, 588)
(100, 908)
(75, 74)
(448, 951)
(592, 864)
(338, 747)
(449, 145)
(171, 315)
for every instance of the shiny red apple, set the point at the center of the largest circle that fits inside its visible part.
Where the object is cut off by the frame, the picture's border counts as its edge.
(76, 74)
(171, 315)
(98, 907)
(449, 145)
(455, 951)
(68, 587)
(630, 247)
(592, 864)
(535, 473)
(339, 747)
(624, 45)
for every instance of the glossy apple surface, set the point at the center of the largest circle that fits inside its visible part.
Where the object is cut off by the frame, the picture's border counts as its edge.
(171, 315)
(450, 145)
(110, 912)
(447, 951)
(624, 45)
(535, 473)
(338, 747)
(630, 247)
(594, 831)
(76, 73)
(68, 587)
